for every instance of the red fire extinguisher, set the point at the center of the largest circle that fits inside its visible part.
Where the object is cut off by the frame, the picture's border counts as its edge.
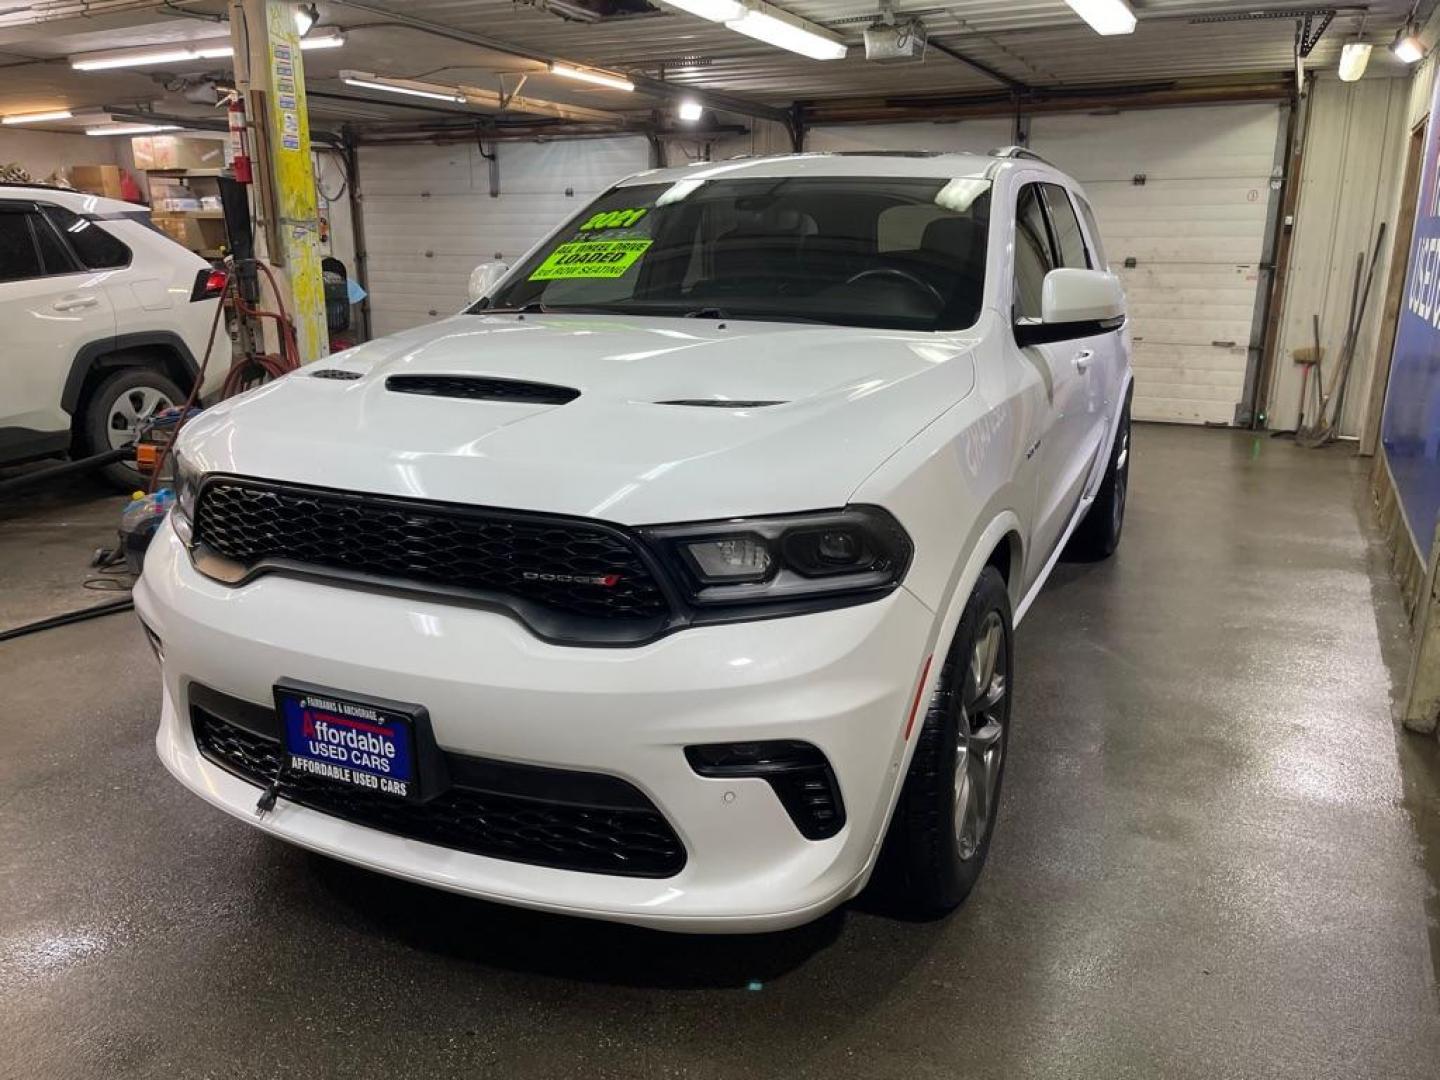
(239, 139)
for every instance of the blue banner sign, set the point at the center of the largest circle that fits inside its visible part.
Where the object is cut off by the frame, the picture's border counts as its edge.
(1410, 429)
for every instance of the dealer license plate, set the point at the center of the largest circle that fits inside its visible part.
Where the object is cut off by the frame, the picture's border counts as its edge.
(359, 743)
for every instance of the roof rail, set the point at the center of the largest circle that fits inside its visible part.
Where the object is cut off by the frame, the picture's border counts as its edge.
(1017, 152)
(38, 184)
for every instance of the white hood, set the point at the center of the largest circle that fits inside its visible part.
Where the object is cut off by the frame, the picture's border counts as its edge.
(851, 397)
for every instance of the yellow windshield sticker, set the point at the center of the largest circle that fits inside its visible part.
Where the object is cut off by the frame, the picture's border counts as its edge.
(590, 259)
(614, 219)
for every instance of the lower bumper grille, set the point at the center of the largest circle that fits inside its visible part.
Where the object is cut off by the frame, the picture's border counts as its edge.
(521, 814)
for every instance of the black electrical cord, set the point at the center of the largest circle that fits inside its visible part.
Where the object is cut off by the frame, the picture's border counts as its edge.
(111, 607)
(15, 483)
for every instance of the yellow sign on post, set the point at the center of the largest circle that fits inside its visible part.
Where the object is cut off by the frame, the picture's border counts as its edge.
(297, 210)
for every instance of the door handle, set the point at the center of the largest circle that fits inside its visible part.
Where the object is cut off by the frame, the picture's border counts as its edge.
(1083, 358)
(74, 303)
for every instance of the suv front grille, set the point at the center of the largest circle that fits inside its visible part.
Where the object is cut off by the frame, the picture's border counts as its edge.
(521, 813)
(562, 565)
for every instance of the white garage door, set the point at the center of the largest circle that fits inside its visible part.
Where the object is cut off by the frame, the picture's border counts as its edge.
(964, 136)
(1195, 228)
(429, 216)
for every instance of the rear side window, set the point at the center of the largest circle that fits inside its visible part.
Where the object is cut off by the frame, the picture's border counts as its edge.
(1069, 240)
(54, 258)
(96, 248)
(19, 258)
(1091, 226)
(1033, 258)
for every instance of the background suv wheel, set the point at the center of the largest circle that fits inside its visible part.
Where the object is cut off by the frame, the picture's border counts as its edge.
(114, 412)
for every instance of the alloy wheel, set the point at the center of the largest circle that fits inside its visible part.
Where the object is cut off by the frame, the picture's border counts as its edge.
(979, 745)
(131, 409)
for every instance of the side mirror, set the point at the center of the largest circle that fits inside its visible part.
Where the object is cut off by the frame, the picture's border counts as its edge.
(1075, 303)
(485, 277)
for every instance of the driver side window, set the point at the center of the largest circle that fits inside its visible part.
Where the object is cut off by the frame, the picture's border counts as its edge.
(1034, 255)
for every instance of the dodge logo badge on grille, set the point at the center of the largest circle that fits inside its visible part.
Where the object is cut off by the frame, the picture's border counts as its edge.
(609, 581)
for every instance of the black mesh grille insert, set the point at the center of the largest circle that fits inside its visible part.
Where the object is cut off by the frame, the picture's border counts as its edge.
(477, 388)
(562, 565)
(628, 837)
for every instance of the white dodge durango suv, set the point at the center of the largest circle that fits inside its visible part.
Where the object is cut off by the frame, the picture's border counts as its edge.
(106, 321)
(673, 582)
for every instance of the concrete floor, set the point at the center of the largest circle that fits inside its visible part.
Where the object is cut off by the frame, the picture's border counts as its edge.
(1217, 857)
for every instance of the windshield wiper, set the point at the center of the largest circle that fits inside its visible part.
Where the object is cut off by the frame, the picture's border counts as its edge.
(758, 316)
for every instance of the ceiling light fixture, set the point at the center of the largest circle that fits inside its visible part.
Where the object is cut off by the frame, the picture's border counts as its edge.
(590, 75)
(714, 10)
(1105, 16)
(1407, 46)
(216, 49)
(408, 87)
(324, 39)
(785, 31)
(131, 58)
(1354, 56)
(306, 16)
(690, 111)
(38, 117)
(131, 129)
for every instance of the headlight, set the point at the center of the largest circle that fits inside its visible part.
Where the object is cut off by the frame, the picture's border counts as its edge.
(780, 559)
(187, 489)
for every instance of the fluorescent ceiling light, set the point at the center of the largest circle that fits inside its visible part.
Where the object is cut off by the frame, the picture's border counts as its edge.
(1407, 46)
(409, 88)
(1353, 58)
(131, 129)
(38, 117)
(130, 58)
(714, 10)
(599, 78)
(215, 49)
(691, 111)
(327, 39)
(786, 31)
(1105, 16)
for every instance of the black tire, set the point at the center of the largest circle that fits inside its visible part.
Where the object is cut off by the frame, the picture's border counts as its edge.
(131, 391)
(1098, 535)
(934, 854)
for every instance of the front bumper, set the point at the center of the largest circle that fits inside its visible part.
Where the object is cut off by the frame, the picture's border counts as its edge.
(842, 680)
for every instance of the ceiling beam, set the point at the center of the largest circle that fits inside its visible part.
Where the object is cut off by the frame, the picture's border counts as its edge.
(983, 69)
(956, 107)
(130, 114)
(712, 99)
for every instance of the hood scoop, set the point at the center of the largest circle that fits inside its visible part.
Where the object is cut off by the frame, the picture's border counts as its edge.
(482, 388)
(720, 403)
(334, 373)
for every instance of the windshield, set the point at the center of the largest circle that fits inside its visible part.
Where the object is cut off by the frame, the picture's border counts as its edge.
(858, 251)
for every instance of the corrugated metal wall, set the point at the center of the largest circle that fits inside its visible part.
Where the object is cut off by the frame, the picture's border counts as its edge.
(1354, 153)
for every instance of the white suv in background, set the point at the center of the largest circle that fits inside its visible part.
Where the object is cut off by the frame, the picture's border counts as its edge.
(104, 321)
(672, 582)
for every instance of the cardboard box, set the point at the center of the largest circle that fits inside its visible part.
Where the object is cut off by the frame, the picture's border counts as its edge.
(200, 234)
(177, 152)
(97, 180)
